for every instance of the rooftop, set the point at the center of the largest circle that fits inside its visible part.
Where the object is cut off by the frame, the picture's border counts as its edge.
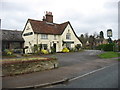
(12, 35)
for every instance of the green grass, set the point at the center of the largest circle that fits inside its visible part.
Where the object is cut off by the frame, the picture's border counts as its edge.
(109, 55)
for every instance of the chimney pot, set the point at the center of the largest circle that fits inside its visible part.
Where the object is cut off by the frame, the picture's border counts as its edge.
(49, 17)
(44, 19)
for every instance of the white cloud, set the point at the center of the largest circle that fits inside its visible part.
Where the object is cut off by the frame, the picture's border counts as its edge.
(85, 15)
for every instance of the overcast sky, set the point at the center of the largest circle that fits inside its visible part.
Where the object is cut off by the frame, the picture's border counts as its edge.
(86, 16)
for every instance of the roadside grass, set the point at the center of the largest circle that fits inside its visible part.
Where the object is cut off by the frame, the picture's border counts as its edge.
(109, 55)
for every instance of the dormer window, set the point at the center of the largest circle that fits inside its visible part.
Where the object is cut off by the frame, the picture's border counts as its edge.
(68, 36)
(44, 36)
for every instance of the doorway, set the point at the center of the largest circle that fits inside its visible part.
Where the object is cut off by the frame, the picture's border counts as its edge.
(54, 45)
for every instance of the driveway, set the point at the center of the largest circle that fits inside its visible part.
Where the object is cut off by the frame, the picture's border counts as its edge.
(66, 59)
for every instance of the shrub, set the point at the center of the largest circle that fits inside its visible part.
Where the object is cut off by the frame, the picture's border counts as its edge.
(53, 50)
(35, 48)
(119, 48)
(72, 49)
(77, 47)
(65, 50)
(8, 52)
(106, 47)
(100, 47)
(44, 51)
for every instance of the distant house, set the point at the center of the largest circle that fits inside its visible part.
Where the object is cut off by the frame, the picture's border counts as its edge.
(100, 41)
(49, 34)
(12, 39)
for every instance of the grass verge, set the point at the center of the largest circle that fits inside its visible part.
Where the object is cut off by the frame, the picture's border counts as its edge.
(109, 55)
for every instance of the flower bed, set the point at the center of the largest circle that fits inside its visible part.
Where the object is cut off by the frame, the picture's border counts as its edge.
(21, 66)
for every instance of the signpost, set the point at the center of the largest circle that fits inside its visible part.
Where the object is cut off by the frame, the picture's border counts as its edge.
(109, 34)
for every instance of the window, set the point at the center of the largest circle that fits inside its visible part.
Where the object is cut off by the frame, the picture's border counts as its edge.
(5, 45)
(44, 36)
(27, 34)
(27, 28)
(16, 45)
(44, 46)
(68, 36)
(68, 45)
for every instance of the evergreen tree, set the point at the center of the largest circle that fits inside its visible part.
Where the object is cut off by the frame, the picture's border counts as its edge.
(101, 34)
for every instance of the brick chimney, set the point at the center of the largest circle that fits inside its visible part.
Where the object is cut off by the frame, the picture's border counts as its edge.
(49, 17)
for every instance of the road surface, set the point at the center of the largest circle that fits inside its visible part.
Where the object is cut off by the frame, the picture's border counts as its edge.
(68, 59)
(106, 78)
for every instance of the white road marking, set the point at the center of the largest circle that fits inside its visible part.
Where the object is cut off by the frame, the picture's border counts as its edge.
(91, 72)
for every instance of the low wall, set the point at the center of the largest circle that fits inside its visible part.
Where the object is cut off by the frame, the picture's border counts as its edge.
(15, 68)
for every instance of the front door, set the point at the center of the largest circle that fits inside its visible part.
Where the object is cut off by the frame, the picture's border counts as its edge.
(54, 45)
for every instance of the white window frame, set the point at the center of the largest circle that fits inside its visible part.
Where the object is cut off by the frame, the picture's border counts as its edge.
(68, 36)
(44, 36)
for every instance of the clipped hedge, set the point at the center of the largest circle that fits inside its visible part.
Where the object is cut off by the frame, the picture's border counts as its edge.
(109, 47)
(106, 47)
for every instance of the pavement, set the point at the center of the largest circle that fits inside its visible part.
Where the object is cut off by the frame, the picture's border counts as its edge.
(55, 76)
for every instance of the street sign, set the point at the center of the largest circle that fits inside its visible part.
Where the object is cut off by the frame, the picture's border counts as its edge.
(109, 33)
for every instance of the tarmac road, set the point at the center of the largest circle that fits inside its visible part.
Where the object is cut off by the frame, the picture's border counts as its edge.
(106, 78)
(72, 58)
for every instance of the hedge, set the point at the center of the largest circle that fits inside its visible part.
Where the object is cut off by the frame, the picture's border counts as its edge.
(106, 47)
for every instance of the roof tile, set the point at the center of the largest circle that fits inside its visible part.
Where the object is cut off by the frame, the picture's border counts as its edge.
(44, 27)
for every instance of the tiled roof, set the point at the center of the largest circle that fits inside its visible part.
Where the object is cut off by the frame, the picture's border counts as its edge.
(44, 27)
(12, 35)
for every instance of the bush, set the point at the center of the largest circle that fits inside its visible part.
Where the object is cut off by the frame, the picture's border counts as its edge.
(8, 52)
(109, 47)
(35, 48)
(119, 48)
(77, 47)
(100, 47)
(106, 47)
(65, 50)
(53, 50)
(72, 49)
(44, 51)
